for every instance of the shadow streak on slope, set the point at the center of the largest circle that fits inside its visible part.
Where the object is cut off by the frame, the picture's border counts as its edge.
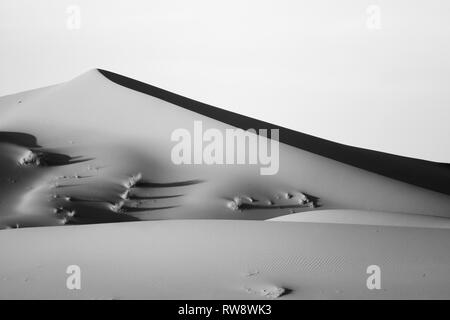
(148, 184)
(51, 159)
(18, 138)
(86, 214)
(46, 157)
(427, 174)
(133, 197)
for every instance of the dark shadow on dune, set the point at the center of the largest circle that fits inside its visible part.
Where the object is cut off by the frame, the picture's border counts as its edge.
(286, 292)
(134, 210)
(69, 185)
(91, 211)
(21, 139)
(53, 159)
(75, 199)
(147, 184)
(101, 217)
(313, 199)
(46, 158)
(87, 214)
(155, 197)
(80, 159)
(431, 175)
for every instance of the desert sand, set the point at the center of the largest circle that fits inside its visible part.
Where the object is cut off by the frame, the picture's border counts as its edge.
(222, 259)
(87, 178)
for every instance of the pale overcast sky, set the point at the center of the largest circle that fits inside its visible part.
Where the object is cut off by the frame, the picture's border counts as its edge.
(374, 74)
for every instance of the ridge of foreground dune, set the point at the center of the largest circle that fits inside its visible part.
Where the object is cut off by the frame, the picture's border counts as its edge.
(373, 218)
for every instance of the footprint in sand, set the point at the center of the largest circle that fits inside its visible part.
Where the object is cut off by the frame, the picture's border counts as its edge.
(267, 291)
(270, 292)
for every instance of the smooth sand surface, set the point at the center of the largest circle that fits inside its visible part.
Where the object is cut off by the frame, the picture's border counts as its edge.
(225, 259)
(95, 150)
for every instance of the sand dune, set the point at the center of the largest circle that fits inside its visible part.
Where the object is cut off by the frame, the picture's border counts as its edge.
(107, 133)
(434, 176)
(213, 259)
(97, 149)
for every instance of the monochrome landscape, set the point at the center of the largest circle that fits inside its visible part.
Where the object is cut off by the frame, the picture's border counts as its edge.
(152, 195)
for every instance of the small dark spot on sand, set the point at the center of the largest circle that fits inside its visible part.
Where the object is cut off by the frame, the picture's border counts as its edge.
(252, 273)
